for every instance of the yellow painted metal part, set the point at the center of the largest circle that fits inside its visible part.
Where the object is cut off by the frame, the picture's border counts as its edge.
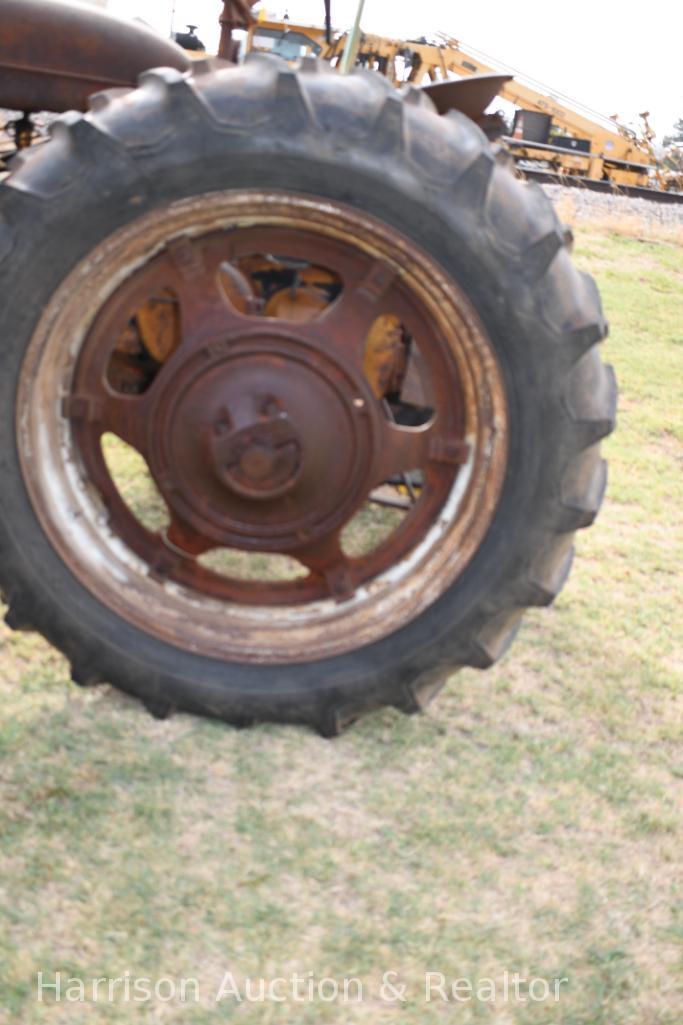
(386, 356)
(159, 326)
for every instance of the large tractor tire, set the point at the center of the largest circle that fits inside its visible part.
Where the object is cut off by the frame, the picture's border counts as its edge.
(291, 299)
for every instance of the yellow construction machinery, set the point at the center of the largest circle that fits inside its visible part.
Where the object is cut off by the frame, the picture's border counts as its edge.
(549, 135)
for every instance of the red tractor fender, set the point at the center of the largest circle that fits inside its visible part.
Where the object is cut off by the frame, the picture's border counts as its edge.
(54, 55)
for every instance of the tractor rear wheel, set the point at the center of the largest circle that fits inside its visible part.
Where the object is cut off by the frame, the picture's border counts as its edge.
(300, 395)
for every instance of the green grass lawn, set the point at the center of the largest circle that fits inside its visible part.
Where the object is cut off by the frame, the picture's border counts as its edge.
(529, 823)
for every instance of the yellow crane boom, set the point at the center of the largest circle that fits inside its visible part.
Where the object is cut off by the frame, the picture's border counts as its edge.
(548, 129)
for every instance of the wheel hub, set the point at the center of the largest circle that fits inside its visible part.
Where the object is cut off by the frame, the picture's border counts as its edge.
(263, 441)
(262, 460)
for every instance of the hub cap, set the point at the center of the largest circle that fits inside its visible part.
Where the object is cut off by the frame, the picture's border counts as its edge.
(263, 443)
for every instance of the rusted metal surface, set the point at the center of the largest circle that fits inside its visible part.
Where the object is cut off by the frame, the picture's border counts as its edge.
(262, 433)
(471, 96)
(249, 410)
(54, 55)
(236, 15)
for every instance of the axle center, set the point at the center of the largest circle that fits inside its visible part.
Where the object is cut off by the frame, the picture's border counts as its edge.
(260, 442)
(261, 460)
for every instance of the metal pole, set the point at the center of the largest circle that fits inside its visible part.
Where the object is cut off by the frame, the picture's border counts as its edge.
(348, 61)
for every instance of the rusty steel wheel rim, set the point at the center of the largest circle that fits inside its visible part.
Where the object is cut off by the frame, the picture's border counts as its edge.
(261, 430)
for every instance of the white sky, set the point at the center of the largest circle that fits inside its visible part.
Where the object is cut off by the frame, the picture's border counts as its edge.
(616, 57)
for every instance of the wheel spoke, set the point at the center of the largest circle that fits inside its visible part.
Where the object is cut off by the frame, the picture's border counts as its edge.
(327, 560)
(184, 540)
(174, 550)
(412, 448)
(345, 326)
(205, 306)
(403, 449)
(123, 415)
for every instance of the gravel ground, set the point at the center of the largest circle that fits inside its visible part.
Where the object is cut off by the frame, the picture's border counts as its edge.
(591, 206)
